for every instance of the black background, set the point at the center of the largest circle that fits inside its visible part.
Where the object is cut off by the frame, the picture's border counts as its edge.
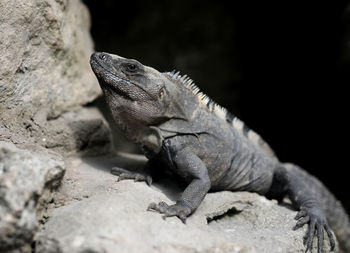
(282, 67)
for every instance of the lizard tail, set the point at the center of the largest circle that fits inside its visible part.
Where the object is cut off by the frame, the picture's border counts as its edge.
(336, 215)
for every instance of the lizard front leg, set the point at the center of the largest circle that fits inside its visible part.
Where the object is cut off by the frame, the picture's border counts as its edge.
(192, 168)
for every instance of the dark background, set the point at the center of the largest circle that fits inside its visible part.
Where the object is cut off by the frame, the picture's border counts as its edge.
(282, 67)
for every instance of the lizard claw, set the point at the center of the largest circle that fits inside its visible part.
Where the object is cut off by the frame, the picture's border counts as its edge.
(179, 210)
(317, 225)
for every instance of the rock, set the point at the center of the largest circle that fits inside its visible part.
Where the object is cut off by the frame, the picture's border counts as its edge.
(46, 90)
(81, 129)
(26, 181)
(45, 76)
(45, 47)
(95, 213)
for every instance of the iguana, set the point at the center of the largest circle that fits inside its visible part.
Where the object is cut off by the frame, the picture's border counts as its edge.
(179, 127)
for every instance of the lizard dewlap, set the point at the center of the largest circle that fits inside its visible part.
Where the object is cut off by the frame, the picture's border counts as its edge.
(184, 131)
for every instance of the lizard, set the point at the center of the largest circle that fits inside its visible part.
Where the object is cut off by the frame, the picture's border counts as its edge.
(180, 128)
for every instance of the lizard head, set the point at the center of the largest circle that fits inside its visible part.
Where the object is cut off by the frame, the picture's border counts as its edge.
(134, 92)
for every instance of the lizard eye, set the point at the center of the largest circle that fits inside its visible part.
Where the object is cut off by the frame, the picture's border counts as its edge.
(103, 57)
(161, 92)
(131, 67)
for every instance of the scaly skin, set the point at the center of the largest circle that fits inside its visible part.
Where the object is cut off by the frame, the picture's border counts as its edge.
(185, 132)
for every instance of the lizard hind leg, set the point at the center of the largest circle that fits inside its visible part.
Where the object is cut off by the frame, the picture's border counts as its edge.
(312, 199)
(317, 225)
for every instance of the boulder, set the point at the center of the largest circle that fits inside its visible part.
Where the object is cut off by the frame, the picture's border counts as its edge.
(26, 182)
(45, 47)
(103, 215)
(46, 110)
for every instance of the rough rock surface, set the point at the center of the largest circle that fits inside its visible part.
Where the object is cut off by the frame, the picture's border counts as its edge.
(82, 129)
(95, 213)
(45, 82)
(45, 47)
(26, 181)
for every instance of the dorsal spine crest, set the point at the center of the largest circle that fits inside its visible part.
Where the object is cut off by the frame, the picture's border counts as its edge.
(220, 111)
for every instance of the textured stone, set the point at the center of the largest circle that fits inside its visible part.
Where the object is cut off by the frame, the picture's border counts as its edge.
(26, 181)
(45, 47)
(82, 129)
(95, 213)
(45, 80)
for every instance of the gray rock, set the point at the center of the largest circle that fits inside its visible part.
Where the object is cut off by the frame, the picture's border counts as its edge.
(26, 181)
(82, 129)
(45, 47)
(95, 213)
(45, 79)
(45, 76)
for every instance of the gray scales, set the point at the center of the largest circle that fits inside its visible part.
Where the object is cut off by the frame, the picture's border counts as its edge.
(182, 130)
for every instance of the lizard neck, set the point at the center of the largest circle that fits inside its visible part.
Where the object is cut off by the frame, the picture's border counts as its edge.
(148, 138)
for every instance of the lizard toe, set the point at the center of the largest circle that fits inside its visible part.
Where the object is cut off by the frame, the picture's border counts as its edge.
(317, 226)
(181, 211)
